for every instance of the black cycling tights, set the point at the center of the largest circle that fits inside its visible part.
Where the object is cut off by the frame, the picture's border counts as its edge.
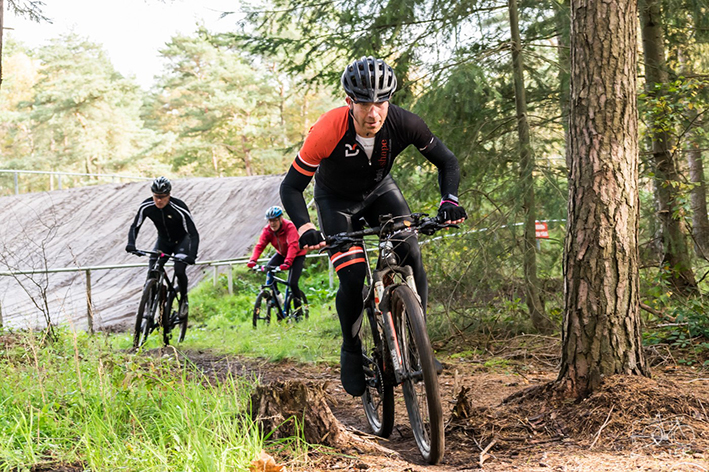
(337, 215)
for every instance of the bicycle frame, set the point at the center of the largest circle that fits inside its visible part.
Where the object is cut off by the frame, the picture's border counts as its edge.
(159, 272)
(283, 311)
(378, 299)
(159, 294)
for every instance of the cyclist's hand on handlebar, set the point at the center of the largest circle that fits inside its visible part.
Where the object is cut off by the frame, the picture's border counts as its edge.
(450, 212)
(130, 248)
(251, 264)
(284, 266)
(311, 240)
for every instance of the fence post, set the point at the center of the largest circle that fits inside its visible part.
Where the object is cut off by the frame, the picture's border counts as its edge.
(89, 305)
(59, 181)
(215, 270)
(17, 185)
(230, 279)
(0, 316)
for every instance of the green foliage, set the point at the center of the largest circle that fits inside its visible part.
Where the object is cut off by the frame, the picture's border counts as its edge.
(679, 322)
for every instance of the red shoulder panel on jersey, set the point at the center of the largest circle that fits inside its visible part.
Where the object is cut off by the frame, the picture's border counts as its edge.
(322, 140)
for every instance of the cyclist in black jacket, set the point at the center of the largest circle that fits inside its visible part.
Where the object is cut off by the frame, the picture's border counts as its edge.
(177, 233)
(350, 150)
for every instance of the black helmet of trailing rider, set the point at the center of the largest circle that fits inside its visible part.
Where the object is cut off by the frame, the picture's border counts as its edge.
(161, 186)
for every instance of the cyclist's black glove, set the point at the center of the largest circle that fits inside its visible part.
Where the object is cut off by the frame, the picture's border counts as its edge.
(130, 248)
(310, 238)
(449, 211)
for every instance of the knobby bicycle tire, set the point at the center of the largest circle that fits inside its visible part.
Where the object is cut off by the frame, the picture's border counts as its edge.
(148, 305)
(421, 393)
(176, 314)
(167, 318)
(263, 300)
(300, 313)
(378, 398)
(183, 317)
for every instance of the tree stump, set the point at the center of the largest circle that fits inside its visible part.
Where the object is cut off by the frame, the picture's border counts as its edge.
(291, 408)
(294, 408)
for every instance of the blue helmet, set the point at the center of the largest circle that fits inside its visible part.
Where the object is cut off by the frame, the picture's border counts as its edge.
(274, 212)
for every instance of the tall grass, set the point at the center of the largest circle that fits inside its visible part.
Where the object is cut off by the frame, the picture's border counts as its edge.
(78, 401)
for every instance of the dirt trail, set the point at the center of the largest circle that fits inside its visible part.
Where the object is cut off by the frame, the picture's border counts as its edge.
(524, 436)
(88, 227)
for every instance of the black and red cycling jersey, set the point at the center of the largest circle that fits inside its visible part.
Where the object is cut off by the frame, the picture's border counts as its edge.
(333, 155)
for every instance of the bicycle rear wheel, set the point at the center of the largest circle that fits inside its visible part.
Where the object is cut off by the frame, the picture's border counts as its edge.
(145, 318)
(301, 312)
(262, 309)
(421, 393)
(378, 398)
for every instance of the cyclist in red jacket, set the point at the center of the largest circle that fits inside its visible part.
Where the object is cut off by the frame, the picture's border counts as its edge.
(283, 236)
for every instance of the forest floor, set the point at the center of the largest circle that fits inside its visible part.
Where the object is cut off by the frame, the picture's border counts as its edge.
(502, 415)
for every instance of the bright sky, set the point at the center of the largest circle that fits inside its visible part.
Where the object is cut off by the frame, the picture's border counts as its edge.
(132, 31)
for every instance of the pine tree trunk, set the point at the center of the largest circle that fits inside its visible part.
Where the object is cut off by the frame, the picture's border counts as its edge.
(601, 330)
(535, 305)
(676, 258)
(698, 199)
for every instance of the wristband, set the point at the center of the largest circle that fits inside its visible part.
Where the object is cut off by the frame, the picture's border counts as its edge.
(450, 198)
(306, 227)
(448, 201)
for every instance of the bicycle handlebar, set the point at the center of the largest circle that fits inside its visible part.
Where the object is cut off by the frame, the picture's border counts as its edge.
(421, 223)
(141, 252)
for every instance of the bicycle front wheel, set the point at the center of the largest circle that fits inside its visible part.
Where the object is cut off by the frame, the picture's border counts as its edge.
(262, 309)
(378, 398)
(420, 386)
(300, 312)
(145, 318)
(183, 315)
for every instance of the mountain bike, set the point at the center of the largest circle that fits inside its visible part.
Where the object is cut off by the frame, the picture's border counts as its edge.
(395, 346)
(161, 304)
(293, 308)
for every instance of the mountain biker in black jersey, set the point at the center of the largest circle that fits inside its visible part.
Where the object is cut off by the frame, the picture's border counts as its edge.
(350, 150)
(177, 233)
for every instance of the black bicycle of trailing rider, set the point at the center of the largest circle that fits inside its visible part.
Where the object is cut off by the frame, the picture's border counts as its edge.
(161, 304)
(292, 308)
(395, 346)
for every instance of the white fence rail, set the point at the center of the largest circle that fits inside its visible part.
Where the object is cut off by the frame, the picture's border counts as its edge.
(55, 178)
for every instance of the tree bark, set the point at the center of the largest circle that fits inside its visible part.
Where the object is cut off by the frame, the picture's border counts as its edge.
(698, 199)
(535, 305)
(676, 260)
(601, 330)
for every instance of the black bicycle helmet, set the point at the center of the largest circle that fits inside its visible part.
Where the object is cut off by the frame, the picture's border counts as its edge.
(161, 186)
(274, 212)
(369, 80)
